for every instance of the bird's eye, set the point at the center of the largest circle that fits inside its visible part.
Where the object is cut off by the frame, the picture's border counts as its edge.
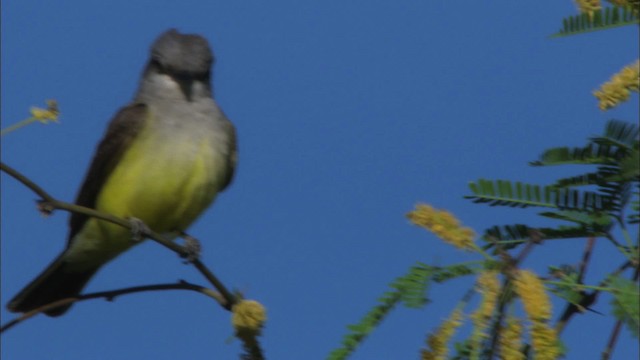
(158, 65)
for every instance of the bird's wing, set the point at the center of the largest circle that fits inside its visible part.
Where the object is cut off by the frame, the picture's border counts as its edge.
(232, 158)
(122, 130)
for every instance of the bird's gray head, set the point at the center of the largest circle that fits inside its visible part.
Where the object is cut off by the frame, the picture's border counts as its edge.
(186, 54)
(179, 68)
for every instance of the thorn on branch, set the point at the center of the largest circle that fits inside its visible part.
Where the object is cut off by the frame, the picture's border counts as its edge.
(535, 236)
(45, 207)
(192, 247)
(139, 230)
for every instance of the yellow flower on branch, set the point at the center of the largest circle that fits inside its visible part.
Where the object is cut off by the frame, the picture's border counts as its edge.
(511, 340)
(544, 341)
(444, 225)
(619, 88)
(45, 115)
(248, 318)
(488, 285)
(531, 291)
(537, 305)
(438, 340)
(588, 6)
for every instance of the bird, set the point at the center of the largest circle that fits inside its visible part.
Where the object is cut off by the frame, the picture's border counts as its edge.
(162, 161)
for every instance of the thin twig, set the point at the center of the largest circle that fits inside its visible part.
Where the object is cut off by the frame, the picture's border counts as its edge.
(110, 295)
(587, 300)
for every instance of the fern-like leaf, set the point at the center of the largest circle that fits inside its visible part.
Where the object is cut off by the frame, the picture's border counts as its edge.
(510, 236)
(619, 133)
(504, 193)
(606, 18)
(588, 155)
(410, 289)
(592, 221)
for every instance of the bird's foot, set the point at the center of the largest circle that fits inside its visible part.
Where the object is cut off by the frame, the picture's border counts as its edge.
(139, 229)
(192, 247)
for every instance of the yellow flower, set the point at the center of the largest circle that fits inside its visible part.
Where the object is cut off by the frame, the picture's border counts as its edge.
(531, 291)
(544, 341)
(588, 6)
(511, 340)
(248, 318)
(443, 224)
(45, 115)
(488, 285)
(619, 88)
(437, 341)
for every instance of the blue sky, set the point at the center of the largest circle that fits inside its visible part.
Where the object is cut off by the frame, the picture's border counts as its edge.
(348, 114)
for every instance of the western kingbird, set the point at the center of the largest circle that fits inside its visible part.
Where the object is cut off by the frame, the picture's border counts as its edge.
(162, 160)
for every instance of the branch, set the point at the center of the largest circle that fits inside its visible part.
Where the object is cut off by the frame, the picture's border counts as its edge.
(111, 295)
(586, 301)
(49, 203)
(512, 264)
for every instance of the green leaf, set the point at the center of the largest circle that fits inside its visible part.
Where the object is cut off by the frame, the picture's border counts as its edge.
(594, 220)
(510, 236)
(619, 133)
(589, 155)
(626, 303)
(410, 289)
(569, 290)
(442, 274)
(504, 193)
(606, 18)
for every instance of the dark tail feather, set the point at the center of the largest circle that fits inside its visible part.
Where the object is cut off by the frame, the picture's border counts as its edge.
(55, 283)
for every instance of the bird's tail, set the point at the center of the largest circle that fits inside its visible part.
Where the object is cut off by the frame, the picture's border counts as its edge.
(56, 282)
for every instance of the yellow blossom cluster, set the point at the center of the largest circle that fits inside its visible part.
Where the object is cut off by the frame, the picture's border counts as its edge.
(588, 6)
(544, 341)
(619, 88)
(437, 341)
(488, 285)
(248, 318)
(51, 113)
(443, 224)
(511, 340)
(537, 305)
(531, 291)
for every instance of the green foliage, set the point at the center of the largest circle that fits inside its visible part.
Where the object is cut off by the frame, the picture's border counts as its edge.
(410, 289)
(518, 194)
(569, 289)
(626, 303)
(634, 218)
(606, 18)
(507, 237)
(442, 274)
(592, 203)
(592, 213)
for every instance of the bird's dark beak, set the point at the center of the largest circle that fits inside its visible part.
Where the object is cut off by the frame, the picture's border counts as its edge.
(186, 85)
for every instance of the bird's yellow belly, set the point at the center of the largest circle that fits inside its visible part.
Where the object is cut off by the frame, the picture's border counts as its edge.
(166, 187)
